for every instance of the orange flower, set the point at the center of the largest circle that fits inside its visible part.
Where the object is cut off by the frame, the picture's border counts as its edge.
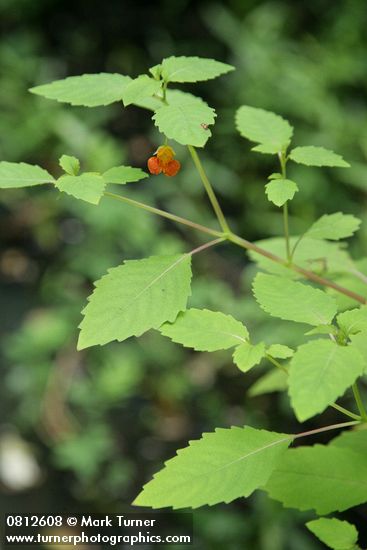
(163, 161)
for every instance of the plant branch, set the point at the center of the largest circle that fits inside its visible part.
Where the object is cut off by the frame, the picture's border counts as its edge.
(164, 214)
(206, 245)
(326, 429)
(360, 405)
(283, 164)
(276, 363)
(209, 189)
(243, 243)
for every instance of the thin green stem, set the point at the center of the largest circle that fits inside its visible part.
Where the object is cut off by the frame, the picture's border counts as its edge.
(276, 363)
(360, 405)
(206, 245)
(164, 214)
(346, 412)
(283, 165)
(209, 189)
(286, 232)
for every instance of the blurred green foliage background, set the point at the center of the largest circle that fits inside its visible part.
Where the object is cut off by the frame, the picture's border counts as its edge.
(84, 431)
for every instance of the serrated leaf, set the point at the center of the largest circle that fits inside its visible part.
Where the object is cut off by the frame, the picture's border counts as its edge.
(134, 297)
(327, 479)
(320, 372)
(184, 122)
(88, 90)
(353, 321)
(192, 69)
(219, 467)
(88, 187)
(272, 381)
(264, 127)
(279, 191)
(139, 88)
(279, 351)
(334, 227)
(124, 174)
(20, 174)
(317, 156)
(70, 165)
(293, 301)
(336, 534)
(247, 355)
(205, 330)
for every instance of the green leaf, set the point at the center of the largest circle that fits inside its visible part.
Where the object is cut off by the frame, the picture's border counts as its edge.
(87, 187)
(89, 90)
(336, 534)
(20, 174)
(317, 156)
(280, 191)
(319, 373)
(353, 321)
(279, 351)
(192, 69)
(184, 122)
(292, 301)
(264, 127)
(134, 297)
(327, 479)
(247, 355)
(272, 381)
(219, 467)
(334, 227)
(70, 165)
(205, 330)
(138, 89)
(124, 174)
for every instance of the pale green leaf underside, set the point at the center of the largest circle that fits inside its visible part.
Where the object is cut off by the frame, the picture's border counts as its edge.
(138, 89)
(70, 164)
(326, 479)
(336, 534)
(184, 122)
(134, 297)
(205, 330)
(20, 174)
(280, 191)
(272, 381)
(192, 69)
(124, 174)
(279, 351)
(353, 321)
(317, 156)
(334, 227)
(219, 467)
(88, 90)
(88, 187)
(359, 343)
(247, 355)
(319, 373)
(264, 127)
(293, 301)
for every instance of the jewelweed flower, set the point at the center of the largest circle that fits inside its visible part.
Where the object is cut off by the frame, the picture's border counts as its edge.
(164, 162)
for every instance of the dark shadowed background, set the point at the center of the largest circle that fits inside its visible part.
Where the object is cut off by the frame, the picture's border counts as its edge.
(83, 431)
